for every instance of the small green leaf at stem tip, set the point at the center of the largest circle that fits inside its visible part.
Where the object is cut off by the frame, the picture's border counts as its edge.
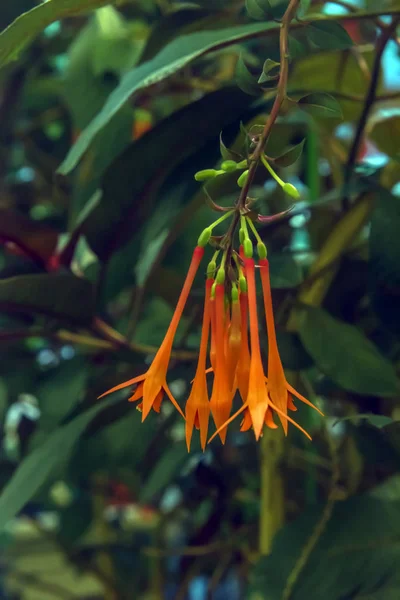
(243, 178)
(261, 250)
(220, 276)
(291, 191)
(204, 237)
(205, 174)
(229, 165)
(248, 248)
(320, 104)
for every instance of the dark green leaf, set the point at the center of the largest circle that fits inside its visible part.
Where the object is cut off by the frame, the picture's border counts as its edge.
(320, 105)
(164, 472)
(328, 35)
(245, 80)
(130, 192)
(303, 8)
(290, 156)
(285, 271)
(61, 390)
(378, 421)
(61, 296)
(30, 24)
(343, 353)
(347, 560)
(260, 10)
(180, 52)
(226, 153)
(38, 467)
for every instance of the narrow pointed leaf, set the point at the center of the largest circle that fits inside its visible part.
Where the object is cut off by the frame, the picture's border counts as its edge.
(343, 353)
(290, 156)
(320, 104)
(245, 80)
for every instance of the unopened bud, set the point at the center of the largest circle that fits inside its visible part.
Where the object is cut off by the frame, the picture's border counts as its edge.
(205, 174)
(234, 293)
(220, 276)
(229, 165)
(248, 248)
(204, 237)
(243, 178)
(242, 235)
(211, 268)
(261, 250)
(290, 190)
(243, 284)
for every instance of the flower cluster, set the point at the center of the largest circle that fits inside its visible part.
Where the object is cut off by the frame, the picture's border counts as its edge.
(230, 360)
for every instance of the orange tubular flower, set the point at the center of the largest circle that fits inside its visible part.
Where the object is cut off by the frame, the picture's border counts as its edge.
(257, 395)
(234, 340)
(279, 388)
(153, 382)
(198, 405)
(221, 396)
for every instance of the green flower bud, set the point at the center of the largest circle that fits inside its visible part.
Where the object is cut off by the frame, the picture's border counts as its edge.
(204, 237)
(261, 250)
(242, 235)
(243, 178)
(248, 248)
(243, 284)
(206, 174)
(220, 276)
(289, 189)
(235, 293)
(229, 165)
(211, 268)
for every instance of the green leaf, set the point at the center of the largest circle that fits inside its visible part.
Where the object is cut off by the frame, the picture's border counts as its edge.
(60, 391)
(268, 66)
(384, 252)
(386, 133)
(177, 54)
(320, 104)
(344, 354)
(285, 271)
(245, 80)
(260, 10)
(303, 8)
(289, 156)
(164, 472)
(226, 153)
(328, 35)
(61, 296)
(131, 184)
(30, 24)
(378, 421)
(347, 560)
(38, 467)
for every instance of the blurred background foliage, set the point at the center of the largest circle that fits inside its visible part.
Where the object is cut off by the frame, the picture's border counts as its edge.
(106, 113)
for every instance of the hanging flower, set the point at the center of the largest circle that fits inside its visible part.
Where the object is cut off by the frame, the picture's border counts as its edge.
(198, 404)
(154, 382)
(230, 349)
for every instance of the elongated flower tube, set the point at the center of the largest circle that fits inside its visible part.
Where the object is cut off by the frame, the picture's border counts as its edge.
(154, 380)
(221, 396)
(234, 339)
(198, 405)
(278, 387)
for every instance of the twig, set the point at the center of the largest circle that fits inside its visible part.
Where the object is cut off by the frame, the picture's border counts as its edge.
(370, 98)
